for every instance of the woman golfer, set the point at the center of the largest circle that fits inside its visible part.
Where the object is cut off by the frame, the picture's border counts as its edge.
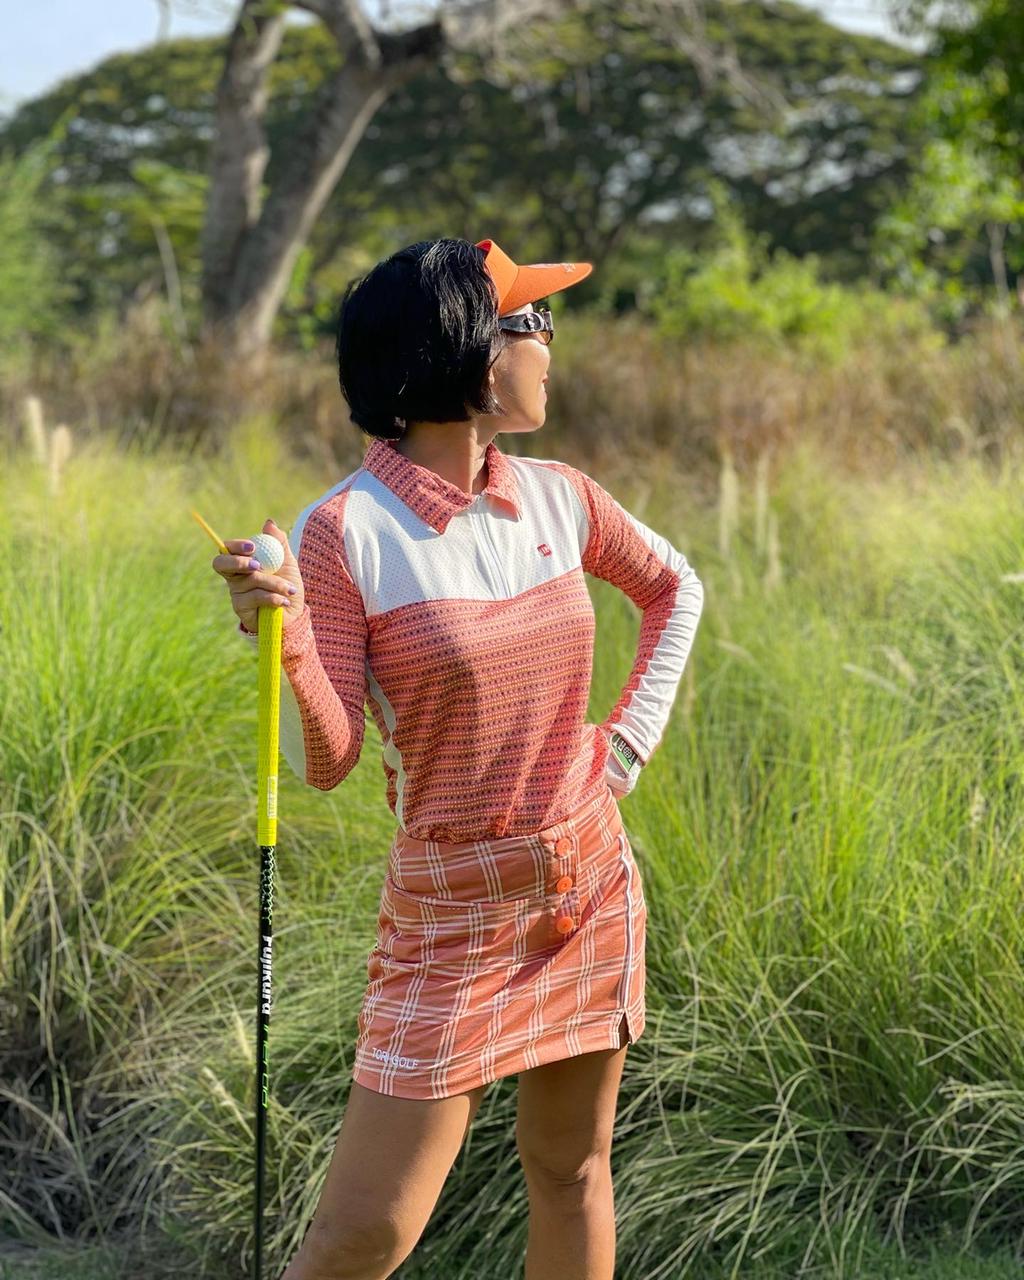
(442, 583)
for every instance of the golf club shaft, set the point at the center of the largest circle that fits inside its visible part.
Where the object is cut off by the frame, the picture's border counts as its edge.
(262, 1024)
(268, 722)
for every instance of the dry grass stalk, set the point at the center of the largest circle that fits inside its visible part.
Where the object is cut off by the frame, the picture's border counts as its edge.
(60, 451)
(773, 570)
(900, 662)
(728, 504)
(35, 429)
(761, 502)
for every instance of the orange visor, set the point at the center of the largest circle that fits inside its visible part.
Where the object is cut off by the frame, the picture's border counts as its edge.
(518, 285)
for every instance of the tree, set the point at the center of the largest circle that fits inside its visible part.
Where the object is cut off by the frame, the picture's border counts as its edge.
(32, 290)
(251, 242)
(968, 185)
(595, 136)
(956, 227)
(982, 40)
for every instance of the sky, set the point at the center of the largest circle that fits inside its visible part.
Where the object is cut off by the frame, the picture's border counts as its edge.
(50, 39)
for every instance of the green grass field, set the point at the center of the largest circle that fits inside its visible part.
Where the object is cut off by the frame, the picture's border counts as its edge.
(829, 835)
(926, 1262)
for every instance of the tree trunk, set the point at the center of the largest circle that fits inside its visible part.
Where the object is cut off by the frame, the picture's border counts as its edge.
(315, 163)
(997, 260)
(239, 154)
(249, 250)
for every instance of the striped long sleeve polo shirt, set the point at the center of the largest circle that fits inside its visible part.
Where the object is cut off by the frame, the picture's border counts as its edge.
(463, 621)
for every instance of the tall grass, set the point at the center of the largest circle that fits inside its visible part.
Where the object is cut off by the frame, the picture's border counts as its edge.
(829, 836)
(614, 381)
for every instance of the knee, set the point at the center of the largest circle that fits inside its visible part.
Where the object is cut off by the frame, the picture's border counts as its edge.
(370, 1247)
(565, 1164)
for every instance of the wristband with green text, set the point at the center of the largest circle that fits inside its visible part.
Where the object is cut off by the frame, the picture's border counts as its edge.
(626, 755)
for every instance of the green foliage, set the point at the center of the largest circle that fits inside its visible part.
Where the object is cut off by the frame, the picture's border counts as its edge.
(936, 1256)
(602, 131)
(828, 842)
(150, 106)
(32, 291)
(174, 197)
(738, 291)
(956, 229)
(982, 43)
(305, 313)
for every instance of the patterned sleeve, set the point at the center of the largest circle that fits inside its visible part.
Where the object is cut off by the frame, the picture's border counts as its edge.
(323, 654)
(658, 579)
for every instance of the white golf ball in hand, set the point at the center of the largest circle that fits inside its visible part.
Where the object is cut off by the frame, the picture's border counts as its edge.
(269, 552)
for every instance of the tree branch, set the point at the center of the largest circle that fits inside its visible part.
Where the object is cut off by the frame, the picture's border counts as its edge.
(476, 24)
(352, 30)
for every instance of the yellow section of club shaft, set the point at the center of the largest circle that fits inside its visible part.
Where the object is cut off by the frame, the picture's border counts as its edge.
(268, 712)
(270, 624)
(215, 536)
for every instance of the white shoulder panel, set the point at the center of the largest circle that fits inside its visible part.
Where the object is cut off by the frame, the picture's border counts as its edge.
(485, 552)
(542, 483)
(295, 537)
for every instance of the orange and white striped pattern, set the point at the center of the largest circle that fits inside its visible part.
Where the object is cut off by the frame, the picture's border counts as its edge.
(464, 623)
(495, 956)
(511, 929)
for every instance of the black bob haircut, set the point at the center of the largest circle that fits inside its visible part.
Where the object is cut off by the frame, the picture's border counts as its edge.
(416, 338)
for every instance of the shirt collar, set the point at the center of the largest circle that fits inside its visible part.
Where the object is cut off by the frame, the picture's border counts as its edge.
(434, 499)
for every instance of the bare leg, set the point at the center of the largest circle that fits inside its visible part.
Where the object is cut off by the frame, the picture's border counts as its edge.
(390, 1162)
(564, 1136)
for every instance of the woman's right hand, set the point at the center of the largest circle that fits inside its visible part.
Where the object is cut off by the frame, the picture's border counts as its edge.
(252, 589)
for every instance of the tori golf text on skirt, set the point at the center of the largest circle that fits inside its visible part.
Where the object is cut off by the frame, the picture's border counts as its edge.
(511, 925)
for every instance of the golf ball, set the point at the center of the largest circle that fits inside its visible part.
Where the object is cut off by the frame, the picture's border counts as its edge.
(269, 552)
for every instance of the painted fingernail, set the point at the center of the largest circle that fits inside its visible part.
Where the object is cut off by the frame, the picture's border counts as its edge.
(248, 546)
(292, 590)
(255, 564)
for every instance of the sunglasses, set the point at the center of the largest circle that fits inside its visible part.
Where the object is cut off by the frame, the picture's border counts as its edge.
(538, 322)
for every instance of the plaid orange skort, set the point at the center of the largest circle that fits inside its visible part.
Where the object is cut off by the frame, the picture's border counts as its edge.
(494, 956)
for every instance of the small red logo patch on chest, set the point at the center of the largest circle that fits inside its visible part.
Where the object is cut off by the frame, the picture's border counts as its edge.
(544, 549)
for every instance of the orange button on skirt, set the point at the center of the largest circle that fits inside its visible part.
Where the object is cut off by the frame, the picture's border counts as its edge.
(495, 956)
